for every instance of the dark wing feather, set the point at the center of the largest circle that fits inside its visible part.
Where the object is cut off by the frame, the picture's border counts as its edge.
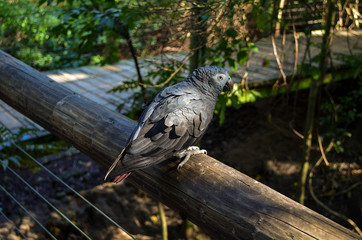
(169, 124)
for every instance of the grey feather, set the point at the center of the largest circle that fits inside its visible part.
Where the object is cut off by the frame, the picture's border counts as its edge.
(177, 118)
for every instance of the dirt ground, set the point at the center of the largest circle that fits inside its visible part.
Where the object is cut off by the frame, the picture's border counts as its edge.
(257, 140)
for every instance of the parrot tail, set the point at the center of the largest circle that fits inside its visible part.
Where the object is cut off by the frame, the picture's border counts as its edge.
(120, 178)
(115, 164)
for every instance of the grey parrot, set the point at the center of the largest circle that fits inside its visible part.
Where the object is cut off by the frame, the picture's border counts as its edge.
(176, 119)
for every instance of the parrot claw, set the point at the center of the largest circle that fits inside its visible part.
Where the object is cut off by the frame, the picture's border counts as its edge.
(186, 154)
(192, 148)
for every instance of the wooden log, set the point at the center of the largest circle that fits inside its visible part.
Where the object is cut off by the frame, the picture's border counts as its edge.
(225, 203)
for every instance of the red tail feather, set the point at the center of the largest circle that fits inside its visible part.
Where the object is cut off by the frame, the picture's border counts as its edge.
(120, 178)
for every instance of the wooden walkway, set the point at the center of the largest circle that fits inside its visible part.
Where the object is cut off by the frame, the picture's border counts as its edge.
(94, 82)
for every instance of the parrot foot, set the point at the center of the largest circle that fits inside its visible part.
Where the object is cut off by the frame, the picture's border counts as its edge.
(186, 154)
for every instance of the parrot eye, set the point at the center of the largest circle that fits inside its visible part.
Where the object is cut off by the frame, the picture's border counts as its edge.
(220, 77)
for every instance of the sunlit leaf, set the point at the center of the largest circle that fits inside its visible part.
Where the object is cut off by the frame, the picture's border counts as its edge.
(4, 164)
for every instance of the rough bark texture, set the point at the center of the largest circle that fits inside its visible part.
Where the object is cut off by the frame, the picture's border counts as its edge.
(224, 202)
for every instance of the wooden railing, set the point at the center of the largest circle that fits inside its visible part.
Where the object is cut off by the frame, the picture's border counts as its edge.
(224, 202)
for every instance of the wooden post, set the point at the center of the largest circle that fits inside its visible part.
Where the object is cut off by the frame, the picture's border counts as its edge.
(225, 203)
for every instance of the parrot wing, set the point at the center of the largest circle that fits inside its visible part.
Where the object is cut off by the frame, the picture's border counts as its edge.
(174, 120)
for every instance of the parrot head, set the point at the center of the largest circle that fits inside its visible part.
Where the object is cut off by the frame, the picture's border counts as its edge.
(214, 77)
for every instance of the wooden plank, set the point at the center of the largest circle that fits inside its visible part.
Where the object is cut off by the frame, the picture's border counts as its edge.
(111, 98)
(25, 122)
(7, 116)
(73, 87)
(9, 121)
(95, 98)
(106, 76)
(267, 72)
(57, 76)
(71, 82)
(100, 83)
(80, 79)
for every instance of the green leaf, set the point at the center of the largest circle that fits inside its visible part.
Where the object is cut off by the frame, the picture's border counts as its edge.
(233, 64)
(5, 164)
(231, 32)
(252, 47)
(315, 73)
(266, 62)
(242, 57)
(15, 159)
(205, 17)
(107, 22)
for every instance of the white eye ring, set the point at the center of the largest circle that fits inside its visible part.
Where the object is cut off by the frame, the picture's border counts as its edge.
(220, 77)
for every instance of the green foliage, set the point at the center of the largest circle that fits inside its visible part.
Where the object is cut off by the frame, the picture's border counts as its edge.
(235, 99)
(11, 155)
(337, 117)
(62, 34)
(354, 62)
(233, 48)
(105, 26)
(156, 79)
(51, 34)
(26, 33)
(90, 24)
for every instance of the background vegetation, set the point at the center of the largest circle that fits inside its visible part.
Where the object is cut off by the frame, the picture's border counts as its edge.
(50, 34)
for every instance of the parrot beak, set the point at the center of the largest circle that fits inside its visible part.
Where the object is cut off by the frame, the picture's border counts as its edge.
(228, 86)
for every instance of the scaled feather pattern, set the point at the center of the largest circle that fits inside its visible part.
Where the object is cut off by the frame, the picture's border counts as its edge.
(176, 118)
